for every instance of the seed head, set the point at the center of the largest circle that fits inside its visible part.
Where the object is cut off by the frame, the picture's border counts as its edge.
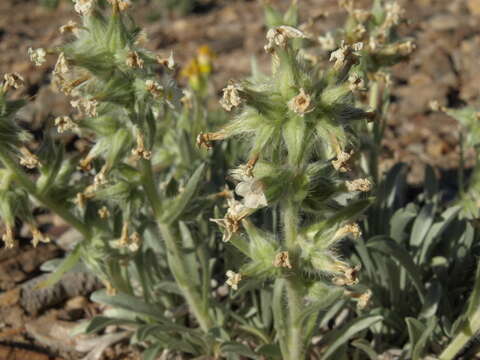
(282, 260)
(154, 88)
(279, 36)
(13, 80)
(363, 185)
(341, 163)
(61, 67)
(65, 123)
(28, 159)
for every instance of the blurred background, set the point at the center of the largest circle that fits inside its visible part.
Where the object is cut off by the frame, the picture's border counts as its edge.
(444, 67)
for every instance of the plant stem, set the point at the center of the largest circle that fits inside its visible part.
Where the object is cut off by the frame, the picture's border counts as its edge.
(24, 181)
(294, 297)
(175, 259)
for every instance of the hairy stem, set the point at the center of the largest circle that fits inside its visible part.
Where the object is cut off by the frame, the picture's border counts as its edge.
(22, 178)
(294, 296)
(176, 260)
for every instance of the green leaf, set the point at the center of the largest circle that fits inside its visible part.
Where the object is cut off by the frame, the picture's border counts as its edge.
(100, 322)
(70, 261)
(422, 224)
(339, 337)
(394, 250)
(270, 351)
(419, 334)
(364, 345)
(152, 352)
(174, 211)
(129, 302)
(237, 348)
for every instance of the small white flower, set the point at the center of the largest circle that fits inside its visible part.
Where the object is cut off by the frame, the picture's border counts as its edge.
(65, 123)
(14, 80)
(104, 213)
(359, 185)
(394, 14)
(37, 56)
(356, 82)
(231, 221)
(279, 35)
(154, 88)
(83, 7)
(341, 163)
(231, 97)
(85, 106)
(301, 104)
(233, 279)
(249, 188)
(38, 237)
(339, 56)
(28, 159)
(140, 152)
(169, 62)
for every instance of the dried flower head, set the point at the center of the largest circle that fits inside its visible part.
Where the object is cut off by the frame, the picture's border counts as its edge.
(231, 96)
(339, 56)
(140, 152)
(85, 106)
(233, 279)
(406, 48)
(110, 290)
(205, 139)
(282, 260)
(154, 88)
(28, 159)
(65, 123)
(38, 236)
(341, 163)
(349, 275)
(61, 66)
(104, 213)
(348, 229)
(301, 103)
(8, 237)
(279, 35)
(85, 164)
(13, 80)
(134, 60)
(100, 179)
(169, 62)
(359, 185)
(364, 299)
(135, 241)
(70, 27)
(83, 7)
(231, 221)
(37, 56)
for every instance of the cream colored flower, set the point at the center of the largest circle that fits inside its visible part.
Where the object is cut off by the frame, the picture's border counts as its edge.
(279, 35)
(134, 60)
(359, 185)
(70, 27)
(65, 123)
(61, 67)
(301, 104)
(83, 7)
(348, 276)
(341, 163)
(394, 14)
(233, 279)
(364, 299)
(37, 56)
(231, 221)
(345, 230)
(85, 106)
(169, 62)
(154, 88)
(231, 96)
(282, 260)
(28, 159)
(251, 189)
(356, 82)
(135, 241)
(13, 80)
(339, 56)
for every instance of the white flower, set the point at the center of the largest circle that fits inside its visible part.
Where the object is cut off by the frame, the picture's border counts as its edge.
(356, 82)
(14, 80)
(104, 213)
(233, 279)
(169, 62)
(339, 56)
(65, 123)
(70, 27)
(279, 35)
(341, 163)
(154, 88)
(28, 159)
(301, 104)
(37, 56)
(231, 97)
(249, 188)
(83, 7)
(394, 14)
(359, 185)
(231, 221)
(85, 106)
(37, 236)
